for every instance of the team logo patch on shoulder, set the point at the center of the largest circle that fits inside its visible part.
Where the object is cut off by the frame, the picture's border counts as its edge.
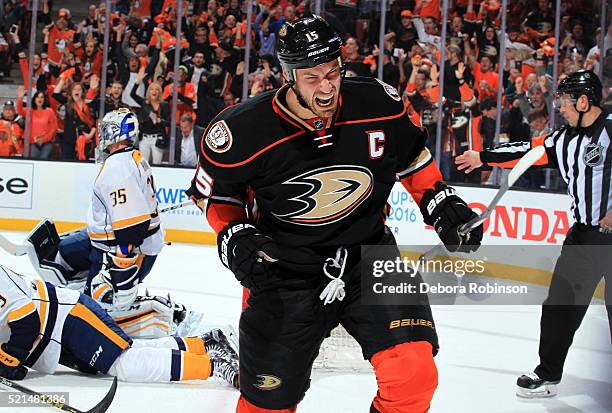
(593, 155)
(390, 90)
(219, 137)
(327, 195)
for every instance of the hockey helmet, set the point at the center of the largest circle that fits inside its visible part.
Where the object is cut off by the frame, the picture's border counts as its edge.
(581, 82)
(118, 126)
(308, 42)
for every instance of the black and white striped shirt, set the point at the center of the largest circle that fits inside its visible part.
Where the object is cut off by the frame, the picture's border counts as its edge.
(584, 160)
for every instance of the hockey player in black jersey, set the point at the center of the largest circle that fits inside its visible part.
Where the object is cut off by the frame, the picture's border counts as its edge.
(583, 153)
(313, 163)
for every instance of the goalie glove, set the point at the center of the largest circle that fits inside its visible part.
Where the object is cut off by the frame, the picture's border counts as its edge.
(250, 255)
(447, 212)
(10, 366)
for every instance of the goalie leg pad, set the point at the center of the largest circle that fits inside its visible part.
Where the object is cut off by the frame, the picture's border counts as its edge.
(407, 378)
(145, 318)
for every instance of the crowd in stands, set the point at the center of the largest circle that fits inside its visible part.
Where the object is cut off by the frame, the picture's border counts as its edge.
(142, 43)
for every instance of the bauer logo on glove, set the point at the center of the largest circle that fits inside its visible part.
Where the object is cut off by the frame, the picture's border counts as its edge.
(447, 212)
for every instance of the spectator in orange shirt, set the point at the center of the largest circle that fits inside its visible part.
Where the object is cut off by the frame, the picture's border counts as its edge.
(43, 124)
(90, 58)
(485, 78)
(185, 95)
(61, 38)
(7, 147)
(12, 124)
(428, 8)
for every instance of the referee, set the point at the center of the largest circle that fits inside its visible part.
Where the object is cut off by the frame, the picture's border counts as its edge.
(583, 153)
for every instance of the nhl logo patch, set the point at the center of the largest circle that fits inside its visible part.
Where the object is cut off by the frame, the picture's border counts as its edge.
(318, 124)
(593, 155)
(219, 137)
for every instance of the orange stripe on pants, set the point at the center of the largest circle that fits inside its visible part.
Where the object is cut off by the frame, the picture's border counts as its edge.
(194, 345)
(195, 366)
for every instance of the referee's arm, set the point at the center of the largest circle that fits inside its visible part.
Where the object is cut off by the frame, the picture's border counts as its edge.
(507, 155)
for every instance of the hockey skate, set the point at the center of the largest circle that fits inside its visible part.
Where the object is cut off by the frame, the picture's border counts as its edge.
(221, 342)
(532, 386)
(226, 369)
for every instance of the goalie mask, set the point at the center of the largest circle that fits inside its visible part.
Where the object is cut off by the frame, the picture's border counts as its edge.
(120, 125)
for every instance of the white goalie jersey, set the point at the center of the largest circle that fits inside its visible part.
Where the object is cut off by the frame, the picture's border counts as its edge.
(124, 198)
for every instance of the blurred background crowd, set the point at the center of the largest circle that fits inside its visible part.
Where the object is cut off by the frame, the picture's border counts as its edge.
(176, 65)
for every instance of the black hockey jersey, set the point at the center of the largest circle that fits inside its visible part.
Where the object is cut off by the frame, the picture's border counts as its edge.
(310, 185)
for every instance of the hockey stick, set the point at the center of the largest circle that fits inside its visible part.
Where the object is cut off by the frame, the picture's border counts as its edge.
(101, 407)
(508, 180)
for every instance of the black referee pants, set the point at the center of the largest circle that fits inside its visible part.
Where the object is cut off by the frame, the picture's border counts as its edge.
(585, 258)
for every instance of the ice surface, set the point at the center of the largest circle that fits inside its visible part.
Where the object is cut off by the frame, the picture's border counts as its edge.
(483, 350)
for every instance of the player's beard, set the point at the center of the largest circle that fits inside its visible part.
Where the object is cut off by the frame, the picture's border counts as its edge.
(316, 107)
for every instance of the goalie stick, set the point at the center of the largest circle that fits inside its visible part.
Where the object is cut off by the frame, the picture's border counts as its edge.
(101, 407)
(20, 249)
(508, 180)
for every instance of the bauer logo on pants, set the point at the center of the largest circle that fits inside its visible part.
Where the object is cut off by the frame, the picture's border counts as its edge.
(268, 382)
(16, 184)
(219, 137)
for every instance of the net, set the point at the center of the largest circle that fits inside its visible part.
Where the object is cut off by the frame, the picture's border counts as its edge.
(340, 351)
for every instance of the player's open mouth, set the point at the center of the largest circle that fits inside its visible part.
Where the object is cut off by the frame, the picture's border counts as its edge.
(324, 102)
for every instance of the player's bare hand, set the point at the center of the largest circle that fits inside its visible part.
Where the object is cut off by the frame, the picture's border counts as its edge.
(468, 161)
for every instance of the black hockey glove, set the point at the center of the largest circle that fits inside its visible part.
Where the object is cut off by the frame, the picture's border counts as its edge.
(442, 208)
(10, 366)
(250, 255)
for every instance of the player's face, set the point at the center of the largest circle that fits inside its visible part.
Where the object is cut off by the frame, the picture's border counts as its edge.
(319, 86)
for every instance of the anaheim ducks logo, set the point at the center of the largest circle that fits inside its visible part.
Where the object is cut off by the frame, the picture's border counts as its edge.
(268, 382)
(330, 194)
